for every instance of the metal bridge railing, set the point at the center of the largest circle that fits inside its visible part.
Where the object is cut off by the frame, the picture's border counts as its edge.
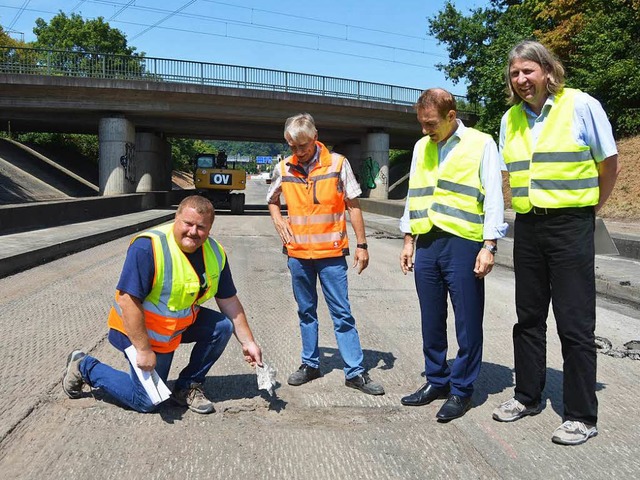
(33, 61)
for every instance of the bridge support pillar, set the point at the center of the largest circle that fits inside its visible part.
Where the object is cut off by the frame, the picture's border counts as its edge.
(153, 162)
(168, 165)
(377, 147)
(353, 151)
(117, 163)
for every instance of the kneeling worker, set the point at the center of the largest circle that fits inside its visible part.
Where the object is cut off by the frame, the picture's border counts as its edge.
(169, 272)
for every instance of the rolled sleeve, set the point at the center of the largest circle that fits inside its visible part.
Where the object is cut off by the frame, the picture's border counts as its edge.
(595, 129)
(275, 189)
(491, 178)
(405, 226)
(351, 186)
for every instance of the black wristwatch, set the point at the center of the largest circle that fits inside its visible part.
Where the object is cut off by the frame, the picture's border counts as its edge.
(364, 246)
(492, 248)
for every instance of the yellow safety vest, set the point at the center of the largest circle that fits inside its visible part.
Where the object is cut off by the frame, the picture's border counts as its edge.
(452, 196)
(173, 304)
(558, 172)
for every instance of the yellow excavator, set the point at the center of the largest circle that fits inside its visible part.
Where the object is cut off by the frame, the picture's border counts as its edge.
(214, 179)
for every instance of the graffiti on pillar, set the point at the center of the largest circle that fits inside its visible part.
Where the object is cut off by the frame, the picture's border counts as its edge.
(381, 177)
(128, 162)
(368, 173)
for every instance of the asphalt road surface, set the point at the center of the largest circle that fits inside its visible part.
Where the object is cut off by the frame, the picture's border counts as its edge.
(320, 430)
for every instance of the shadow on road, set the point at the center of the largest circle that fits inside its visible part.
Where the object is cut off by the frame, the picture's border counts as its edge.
(330, 360)
(496, 378)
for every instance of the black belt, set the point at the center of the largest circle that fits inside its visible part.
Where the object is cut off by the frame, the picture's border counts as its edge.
(435, 232)
(558, 211)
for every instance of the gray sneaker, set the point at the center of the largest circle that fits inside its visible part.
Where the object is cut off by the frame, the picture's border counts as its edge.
(363, 383)
(573, 433)
(73, 381)
(194, 398)
(512, 410)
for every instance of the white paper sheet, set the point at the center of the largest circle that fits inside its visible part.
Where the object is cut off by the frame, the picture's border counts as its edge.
(154, 386)
(266, 377)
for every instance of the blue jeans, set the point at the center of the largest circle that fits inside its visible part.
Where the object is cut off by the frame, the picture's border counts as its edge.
(333, 280)
(444, 266)
(211, 332)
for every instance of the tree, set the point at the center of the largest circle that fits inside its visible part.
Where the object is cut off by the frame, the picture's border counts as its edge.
(73, 33)
(605, 60)
(477, 46)
(11, 56)
(595, 39)
(7, 41)
(184, 151)
(93, 43)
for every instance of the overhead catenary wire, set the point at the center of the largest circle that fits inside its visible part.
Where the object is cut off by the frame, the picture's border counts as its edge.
(18, 14)
(329, 22)
(78, 5)
(191, 2)
(226, 21)
(112, 17)
(265, 42)
(262, 26)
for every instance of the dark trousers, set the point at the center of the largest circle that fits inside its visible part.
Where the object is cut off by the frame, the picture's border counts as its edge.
(444, 266)
(553, 259)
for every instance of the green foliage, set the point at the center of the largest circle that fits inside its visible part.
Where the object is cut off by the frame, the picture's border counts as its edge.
(184, 151)
(399, 157)
(7, 41)
(477, 46)
(606, 61)
(595, 39)
(251, 149)
(76, 34)
(89, 40)
(10, 53)
(85, 145)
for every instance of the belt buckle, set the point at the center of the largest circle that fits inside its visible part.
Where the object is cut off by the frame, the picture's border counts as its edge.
(540, 211)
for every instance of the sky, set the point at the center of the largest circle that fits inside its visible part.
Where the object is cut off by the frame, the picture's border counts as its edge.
(381, 41)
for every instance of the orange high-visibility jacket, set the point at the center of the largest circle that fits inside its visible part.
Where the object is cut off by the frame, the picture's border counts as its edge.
(316, 206)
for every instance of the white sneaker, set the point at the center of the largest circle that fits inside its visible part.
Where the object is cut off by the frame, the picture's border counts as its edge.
(573, 433)
(512, 410)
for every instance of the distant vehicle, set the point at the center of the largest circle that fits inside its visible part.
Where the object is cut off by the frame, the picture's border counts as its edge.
(214, 179)
(266, 176)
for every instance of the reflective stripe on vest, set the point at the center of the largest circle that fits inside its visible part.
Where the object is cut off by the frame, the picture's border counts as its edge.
(559, 172)
(172, 304)
(316, 207)
(450, 196)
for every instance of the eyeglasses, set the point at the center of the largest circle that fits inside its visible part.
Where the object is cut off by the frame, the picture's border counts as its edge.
(301, 147)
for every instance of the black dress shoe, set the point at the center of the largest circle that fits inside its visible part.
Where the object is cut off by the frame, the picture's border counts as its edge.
(454, 407)
(425, 395)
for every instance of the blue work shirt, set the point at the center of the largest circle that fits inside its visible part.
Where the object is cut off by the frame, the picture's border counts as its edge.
(137, 275)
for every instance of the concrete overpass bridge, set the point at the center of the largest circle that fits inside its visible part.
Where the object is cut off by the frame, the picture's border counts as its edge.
(135, 103)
